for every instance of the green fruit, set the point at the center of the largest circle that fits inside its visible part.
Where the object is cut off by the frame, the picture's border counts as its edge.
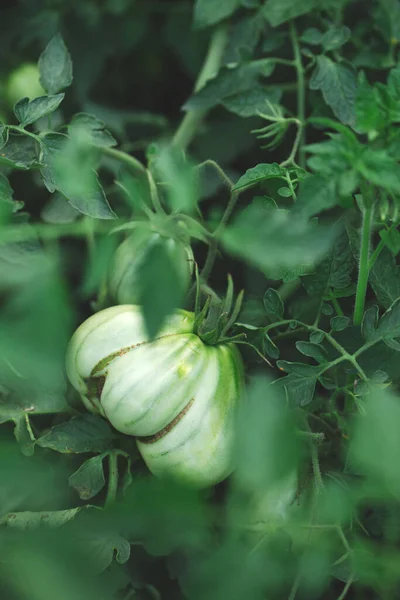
(175, 394)
(125, 272)
(24, 82)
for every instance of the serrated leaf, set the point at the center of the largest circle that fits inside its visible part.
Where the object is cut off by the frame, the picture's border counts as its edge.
(338, 84)
(380, 169)
(258, 174)
(389, 325)
(273, 304)
(300, 383)
(89, 479)
(86, 433)
(280, 11)
(55, 66)
(312, 350)
(370, 322)
(28, 111)
(229, 82)
(316, 194)
(384, 278)
(332, 272)
(250, 103)
(244, 35)
(69, 168)
(20, 152)
(210, 12)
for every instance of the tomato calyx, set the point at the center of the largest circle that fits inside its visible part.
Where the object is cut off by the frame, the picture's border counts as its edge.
(214, 320)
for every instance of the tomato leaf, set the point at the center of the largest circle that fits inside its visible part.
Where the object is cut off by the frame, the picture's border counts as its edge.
(86, 433)
(55, 66)
(28, 111)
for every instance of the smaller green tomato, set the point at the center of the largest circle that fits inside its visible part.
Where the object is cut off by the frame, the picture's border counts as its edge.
(24, 82)
(125, 272)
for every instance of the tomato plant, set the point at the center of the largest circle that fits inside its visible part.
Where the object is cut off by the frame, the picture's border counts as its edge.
(200, 299)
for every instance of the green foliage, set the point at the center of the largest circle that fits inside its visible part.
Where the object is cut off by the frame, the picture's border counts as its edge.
(282, 175)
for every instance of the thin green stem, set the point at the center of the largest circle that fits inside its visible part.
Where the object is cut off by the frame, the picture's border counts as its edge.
(301, 94)
(363, 271)
(345, 356)
(112, 478)
(212, 163)
(375, 255)
(337, 306)
(123, 157)
(291, 160)
(193, 118)
(23, 131)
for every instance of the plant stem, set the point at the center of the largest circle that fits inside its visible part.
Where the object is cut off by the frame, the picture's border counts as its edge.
(363, 270)
(337, 306)
(301, 94)
(123, 157)
(193, 118)
(112, 478)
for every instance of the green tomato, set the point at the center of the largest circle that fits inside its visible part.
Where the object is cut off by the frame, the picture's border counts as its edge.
(175, 394)
(24, 82)
(126, 265)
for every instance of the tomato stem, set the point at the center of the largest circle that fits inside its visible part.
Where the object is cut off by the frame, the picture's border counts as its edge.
(363, 270)
(193, 118)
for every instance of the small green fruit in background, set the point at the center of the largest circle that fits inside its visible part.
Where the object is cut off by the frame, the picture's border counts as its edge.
(125, 272)
(24, 82)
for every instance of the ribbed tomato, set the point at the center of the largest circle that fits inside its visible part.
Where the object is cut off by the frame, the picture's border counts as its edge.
(175, 394)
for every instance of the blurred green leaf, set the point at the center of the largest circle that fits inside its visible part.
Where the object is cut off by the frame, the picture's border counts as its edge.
(86, 433)
(280, 11)
(209, 12)
(375, 440)
(274, 239)
(95, 128)
(58, 210)
(335, 37)
(55, 66)
(161, 287)
(29, 520)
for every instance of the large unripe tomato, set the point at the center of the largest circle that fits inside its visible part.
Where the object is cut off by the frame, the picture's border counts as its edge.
(24, 82)
(175, 394)
(125, 272)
